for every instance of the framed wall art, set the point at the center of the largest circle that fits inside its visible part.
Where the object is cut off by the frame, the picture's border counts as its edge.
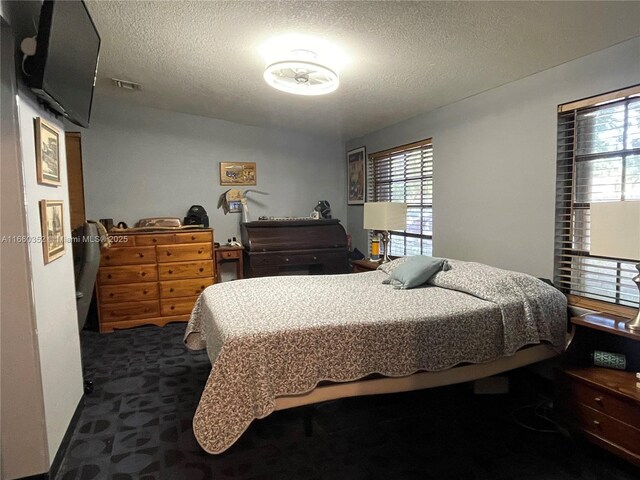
(47, 152)
(356, 176)
(52, 221)
(238, 173)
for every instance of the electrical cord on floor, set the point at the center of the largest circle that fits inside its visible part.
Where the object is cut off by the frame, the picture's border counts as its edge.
(535, 412)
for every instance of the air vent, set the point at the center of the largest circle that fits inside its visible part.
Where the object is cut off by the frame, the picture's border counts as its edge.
(126, 84)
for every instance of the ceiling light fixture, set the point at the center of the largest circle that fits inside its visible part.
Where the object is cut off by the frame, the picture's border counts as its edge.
(301, 72)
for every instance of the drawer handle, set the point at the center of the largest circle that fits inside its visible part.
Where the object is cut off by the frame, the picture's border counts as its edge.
(108, 257)
(201, 269)
(111, 295)
(173, 307)
(598, 399)
(193, 237)
(109, 276)
(142, 274)
(171, 289)
(170, 272)
(596, 423)
(168, 254)
(141, 255)
(145, 291)
(202, 287)
(200, 251)
(286, 259)
(154, 240)
(315, 258)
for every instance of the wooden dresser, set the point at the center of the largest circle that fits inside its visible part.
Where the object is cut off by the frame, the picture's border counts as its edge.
(601, 403)
(153, 278)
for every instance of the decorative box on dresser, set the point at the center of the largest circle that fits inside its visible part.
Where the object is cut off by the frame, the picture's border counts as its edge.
(602, 404)
(153, 277)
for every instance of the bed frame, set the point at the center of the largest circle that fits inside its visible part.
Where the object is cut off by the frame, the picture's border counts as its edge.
(417, 381)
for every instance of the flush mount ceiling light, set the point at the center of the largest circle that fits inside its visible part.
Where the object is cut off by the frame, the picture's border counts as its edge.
(301, 72)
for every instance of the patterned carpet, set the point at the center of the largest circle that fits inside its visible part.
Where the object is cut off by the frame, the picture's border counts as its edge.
(137, 425)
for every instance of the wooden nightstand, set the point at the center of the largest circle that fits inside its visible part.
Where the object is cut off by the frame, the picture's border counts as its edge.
(230, 254)
(600, 403)
(364, 265)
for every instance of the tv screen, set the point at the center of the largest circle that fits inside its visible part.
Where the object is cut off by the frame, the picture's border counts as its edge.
(66, 59)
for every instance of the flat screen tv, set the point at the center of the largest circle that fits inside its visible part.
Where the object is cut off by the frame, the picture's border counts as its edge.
(63, 70)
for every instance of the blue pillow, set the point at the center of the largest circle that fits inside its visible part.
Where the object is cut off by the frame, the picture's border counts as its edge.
(415, 271)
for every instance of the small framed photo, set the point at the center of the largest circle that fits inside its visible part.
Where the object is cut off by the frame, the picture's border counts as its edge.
(238, 173)
(356, 176)
(52, 221)
(47, 153)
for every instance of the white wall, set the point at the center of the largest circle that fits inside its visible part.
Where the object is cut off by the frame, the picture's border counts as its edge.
(53, 288)
(494, 161)
(142, 162)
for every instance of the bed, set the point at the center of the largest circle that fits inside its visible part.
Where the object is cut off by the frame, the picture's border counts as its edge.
(281, 342)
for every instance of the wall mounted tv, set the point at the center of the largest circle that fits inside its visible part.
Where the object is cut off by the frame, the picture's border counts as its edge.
(63, 70)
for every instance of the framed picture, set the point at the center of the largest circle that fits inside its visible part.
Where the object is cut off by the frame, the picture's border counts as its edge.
(356, 176)
(47, 153)
(52, 221)
(238, 173)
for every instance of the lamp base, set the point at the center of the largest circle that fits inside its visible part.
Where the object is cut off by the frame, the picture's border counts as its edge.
(385, 245)
(634, 325)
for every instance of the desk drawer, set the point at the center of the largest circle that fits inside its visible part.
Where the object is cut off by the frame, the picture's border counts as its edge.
(128, 256)
(179, 253)
(117, 275)
(128, 292)
(171, 271)
(193, 237)
(129, 311)
(155, 239)
(184, 288)
(578, 392)
(177, 306)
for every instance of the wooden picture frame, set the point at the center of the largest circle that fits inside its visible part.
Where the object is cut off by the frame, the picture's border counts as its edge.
(356, 176)
(238, 173)
(52, 224)
(47, 152)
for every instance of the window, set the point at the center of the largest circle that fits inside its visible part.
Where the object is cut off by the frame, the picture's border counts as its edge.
(598, 161)
(405, 174)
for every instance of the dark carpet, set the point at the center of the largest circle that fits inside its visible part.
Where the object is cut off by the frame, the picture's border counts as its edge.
(137, 425)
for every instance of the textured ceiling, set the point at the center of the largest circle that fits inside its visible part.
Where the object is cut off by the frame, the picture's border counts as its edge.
(405, 57)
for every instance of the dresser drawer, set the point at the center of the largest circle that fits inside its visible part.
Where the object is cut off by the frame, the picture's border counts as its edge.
(194, 237)
(128, 292)
(177, 306)
(129, 311)
(178, 253)
(117, 275)
(128, 256)
(156, 239)
(607, 428)
(578, 392)
(184, 288)
(171, 271)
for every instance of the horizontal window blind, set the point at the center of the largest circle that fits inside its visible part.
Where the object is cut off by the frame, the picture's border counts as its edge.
(405, 174)
(598, 160)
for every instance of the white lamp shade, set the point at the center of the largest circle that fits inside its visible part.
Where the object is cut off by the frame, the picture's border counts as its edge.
(385, 216)
(615, 229)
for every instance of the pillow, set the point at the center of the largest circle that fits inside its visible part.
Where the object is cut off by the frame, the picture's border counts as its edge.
(415, 271)
(392, 265)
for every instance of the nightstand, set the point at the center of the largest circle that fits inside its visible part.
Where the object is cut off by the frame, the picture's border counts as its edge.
(602, 404)
(229, 254)
(364, 265)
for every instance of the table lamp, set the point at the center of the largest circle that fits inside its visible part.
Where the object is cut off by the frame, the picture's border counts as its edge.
(615, 233)
(385, 216)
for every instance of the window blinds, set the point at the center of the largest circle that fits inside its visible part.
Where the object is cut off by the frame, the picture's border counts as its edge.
(598, 160)
(405, 174)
